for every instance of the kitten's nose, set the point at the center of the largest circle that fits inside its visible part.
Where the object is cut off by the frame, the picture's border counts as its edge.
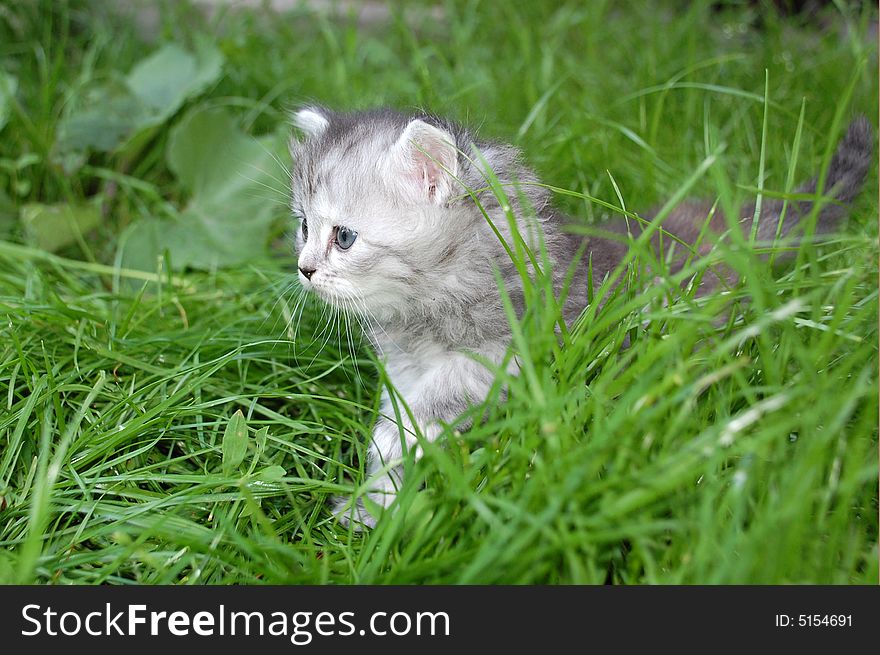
(307, 272)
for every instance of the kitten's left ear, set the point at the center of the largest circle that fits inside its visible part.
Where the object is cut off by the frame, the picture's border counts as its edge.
(425, 162)
(312, 120)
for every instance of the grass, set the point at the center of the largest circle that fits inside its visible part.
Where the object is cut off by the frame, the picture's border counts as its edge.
(720, 447)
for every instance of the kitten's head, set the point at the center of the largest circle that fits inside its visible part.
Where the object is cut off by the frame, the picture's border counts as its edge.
(376, 197)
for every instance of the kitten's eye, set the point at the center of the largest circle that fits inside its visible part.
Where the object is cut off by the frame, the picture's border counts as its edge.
(305, 230)
(345, 237)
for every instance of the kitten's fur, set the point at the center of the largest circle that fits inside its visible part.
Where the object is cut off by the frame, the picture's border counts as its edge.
(421, 270)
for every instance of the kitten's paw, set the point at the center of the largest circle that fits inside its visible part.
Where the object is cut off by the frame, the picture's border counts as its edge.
(352, 513)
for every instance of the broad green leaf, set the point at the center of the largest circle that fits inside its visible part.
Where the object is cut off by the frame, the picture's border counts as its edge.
(52, 227)
(216, 161)
(142, 244)
(234, 182)
(164, 80)
(235, 443)
(8, 87)
(111, 114)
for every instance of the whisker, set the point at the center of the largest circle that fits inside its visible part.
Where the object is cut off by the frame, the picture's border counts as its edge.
(274, 156)
(280, 192)
(347, 313)
(257, 196)
(284, 185)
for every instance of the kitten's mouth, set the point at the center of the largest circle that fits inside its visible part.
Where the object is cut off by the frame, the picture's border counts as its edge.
(343, 296)
(337, 298)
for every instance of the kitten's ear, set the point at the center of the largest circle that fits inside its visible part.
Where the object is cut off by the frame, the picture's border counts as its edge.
(425, 161)
(312, 120)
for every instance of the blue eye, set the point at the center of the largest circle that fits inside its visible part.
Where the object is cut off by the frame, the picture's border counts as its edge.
(345, 237)
(305, 230)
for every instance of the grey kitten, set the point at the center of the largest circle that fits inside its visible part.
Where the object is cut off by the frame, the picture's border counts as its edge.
(389, 231)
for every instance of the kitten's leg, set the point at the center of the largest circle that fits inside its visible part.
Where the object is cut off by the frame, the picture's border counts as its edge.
(444, 391)
(384, 467)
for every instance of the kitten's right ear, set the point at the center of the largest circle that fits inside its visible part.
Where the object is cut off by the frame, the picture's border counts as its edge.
(423, 162)
(313, 121)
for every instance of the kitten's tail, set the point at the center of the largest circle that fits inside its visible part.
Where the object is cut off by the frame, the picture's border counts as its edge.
(846, 174)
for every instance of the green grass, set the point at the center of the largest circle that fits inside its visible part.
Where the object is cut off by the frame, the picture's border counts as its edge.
(721, 447)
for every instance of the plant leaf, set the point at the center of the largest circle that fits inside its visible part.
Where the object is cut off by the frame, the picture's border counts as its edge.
(108, 116)
(167, 78)
(235, 443)
(272, 473)
(231, 178)
(261, 437)
(111, 114)
(53, 227)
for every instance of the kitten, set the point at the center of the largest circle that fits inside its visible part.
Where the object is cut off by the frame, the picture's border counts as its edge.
(389, 231)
